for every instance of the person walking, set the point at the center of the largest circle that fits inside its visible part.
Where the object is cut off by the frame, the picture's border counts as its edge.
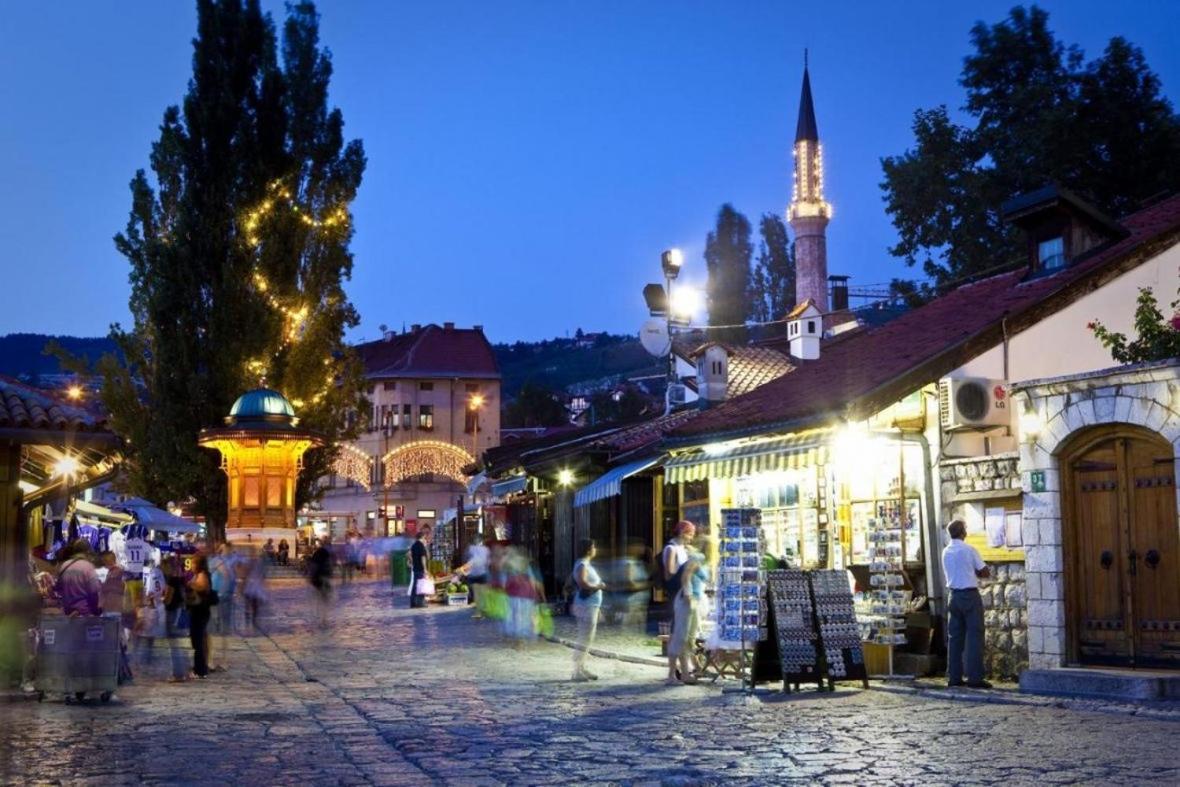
(199, 604)
(173, 606)
(150, 615)
(682, 644)
(319, 570)
(672, 559)
(418, 565)
(587, 605)
(963, 568)
(475, 573)
(223, 571)
(255, 593)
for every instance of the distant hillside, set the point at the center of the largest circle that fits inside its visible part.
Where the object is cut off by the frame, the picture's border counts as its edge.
(559, 363)
(556, 364)
(23, 354)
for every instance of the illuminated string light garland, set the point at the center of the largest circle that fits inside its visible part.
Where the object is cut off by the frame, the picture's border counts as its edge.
(426, 457)
(354, 464)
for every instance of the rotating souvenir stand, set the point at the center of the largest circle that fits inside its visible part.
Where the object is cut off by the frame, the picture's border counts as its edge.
(885, 624)
(741, 612)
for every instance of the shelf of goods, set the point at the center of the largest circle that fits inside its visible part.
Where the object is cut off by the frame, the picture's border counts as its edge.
(741, 606)
(886, 602)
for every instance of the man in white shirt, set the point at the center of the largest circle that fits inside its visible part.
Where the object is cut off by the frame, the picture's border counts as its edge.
(963, 568)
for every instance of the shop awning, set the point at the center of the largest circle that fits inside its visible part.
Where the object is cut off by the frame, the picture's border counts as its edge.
(151, 516)
(784, 453)
(508, 486)
(93, 513)
(610, 483)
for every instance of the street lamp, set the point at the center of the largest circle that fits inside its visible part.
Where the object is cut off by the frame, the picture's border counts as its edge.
(670, 261)
(74, 392)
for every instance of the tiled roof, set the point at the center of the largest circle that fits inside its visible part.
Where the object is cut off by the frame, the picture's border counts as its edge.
(878, 365)
(25, 407)
(643, 434)
(754, 367)
(431, 351)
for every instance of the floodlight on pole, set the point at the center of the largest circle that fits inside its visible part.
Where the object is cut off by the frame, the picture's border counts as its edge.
(671, 260)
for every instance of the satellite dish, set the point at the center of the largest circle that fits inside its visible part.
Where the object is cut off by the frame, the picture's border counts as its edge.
(653, 335)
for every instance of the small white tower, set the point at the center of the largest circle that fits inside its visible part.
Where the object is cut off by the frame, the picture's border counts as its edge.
(805, 327)
(712, 374)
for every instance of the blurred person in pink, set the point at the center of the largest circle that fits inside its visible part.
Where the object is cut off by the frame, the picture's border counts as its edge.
(78, 585)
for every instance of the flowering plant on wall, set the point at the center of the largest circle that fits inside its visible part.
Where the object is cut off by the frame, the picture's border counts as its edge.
(1157, 337)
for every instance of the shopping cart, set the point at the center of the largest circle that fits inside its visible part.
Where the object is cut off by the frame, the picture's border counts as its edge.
(77, 656)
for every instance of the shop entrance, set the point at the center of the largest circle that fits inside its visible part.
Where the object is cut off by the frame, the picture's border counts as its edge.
(1122, 556)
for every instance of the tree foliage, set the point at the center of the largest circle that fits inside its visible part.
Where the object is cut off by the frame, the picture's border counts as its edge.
(773, 278)
(239, 246)
(728, 250)
(1157, 338)
(1038, 114)
(534, 406)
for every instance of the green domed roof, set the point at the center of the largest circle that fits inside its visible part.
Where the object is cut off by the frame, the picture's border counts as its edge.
(261, 404)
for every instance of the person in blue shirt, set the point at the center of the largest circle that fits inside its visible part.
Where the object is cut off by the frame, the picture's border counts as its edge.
(586, 607)
(682, 645)
(223, 570)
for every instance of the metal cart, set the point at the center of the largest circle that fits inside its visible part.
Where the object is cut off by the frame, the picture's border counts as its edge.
(78, 656)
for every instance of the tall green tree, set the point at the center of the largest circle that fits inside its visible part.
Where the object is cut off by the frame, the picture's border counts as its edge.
(534, 406)
(728, 250)
(238, 243)
(1037, 114)
(773, 278)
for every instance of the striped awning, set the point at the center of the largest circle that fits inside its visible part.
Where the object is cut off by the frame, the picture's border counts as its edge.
(610, 483)
(743, 459)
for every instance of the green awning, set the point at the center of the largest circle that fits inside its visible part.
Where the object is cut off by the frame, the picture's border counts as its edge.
(743, 459)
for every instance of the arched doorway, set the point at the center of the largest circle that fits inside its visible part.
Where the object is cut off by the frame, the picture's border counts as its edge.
(1122, 548)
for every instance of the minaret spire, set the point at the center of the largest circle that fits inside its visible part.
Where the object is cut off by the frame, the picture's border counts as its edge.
(808, 213)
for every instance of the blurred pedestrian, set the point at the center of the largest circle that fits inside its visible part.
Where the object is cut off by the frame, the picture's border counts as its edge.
(586, 606)
(255, 593)
(319, 572)
(475, 573)
(173, 607)
(284, 552)
(223, 571)
(150, 622)
(419, 567)
(111, 596)
(78, 586)
(269, 550)
(523, 590)
(198, 600)
(682, 661)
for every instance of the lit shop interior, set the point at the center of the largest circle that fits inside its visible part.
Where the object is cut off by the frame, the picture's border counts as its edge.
(830, 498)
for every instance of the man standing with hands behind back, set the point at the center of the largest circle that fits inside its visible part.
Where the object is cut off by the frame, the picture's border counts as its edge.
(963, 568)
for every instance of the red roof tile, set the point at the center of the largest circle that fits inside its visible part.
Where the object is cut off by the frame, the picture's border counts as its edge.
(644, 434)
(431, 351)
(875, 366)
(25, 407)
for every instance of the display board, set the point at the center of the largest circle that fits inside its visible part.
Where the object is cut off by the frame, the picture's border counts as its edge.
(839, 634)
(741, 613)
(792, 617)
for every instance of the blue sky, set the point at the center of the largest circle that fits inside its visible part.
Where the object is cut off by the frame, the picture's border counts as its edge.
(527, 161)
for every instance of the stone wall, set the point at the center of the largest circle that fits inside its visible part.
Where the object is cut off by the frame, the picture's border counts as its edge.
(1005, 617)
(1005, 596)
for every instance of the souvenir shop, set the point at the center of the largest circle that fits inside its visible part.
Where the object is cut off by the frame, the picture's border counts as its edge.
(849, 499)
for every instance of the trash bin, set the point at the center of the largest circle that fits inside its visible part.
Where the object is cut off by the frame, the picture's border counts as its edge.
(399, 570)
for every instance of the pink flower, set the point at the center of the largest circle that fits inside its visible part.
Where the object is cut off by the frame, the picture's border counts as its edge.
(1175, 321)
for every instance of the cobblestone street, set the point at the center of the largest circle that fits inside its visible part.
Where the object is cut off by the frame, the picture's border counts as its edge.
(394, 696)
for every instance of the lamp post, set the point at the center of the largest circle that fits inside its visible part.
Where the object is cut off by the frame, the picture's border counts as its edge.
(670, 261)
(474, 402)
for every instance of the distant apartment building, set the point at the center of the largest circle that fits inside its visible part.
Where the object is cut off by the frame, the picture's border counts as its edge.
(435, 396)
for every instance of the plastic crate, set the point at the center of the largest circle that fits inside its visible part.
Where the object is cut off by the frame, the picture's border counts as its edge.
(456, 599)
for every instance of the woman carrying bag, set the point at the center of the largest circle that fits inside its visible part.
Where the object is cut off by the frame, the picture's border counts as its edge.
(586, 606)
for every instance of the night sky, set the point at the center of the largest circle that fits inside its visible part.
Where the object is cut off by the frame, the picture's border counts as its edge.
(527, 161)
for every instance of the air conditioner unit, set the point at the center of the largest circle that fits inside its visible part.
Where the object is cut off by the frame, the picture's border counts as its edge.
(973, 403)
(677, 394)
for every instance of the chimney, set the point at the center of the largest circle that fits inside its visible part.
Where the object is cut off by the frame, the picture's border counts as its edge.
(712, 375)
(838, 285)
(448, 326)
(804, 329)
(415, 328)
(477, 328)
(388, 335)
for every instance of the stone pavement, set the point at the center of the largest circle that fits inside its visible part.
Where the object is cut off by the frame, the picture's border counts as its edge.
(389, 695)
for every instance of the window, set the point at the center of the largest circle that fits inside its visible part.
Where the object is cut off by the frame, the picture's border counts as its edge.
(250, 492)
(425, 386)
(388, 417)
(1051, 254)
(406, 416)
(274, 492)
(471, 419)
(811, 326)
(390, 386)
(426, 417)
(472, 388)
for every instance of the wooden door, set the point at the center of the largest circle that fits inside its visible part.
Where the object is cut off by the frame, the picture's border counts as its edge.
(1123, 551)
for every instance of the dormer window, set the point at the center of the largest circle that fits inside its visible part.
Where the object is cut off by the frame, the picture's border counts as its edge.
(1051, 254)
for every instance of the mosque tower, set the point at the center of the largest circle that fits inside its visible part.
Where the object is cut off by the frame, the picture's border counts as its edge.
(808, 213)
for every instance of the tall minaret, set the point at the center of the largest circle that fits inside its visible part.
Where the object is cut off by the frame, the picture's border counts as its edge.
(808, 213)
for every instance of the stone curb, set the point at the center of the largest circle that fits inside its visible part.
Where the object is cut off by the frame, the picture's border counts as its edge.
(607, 654)
(1142, 710)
